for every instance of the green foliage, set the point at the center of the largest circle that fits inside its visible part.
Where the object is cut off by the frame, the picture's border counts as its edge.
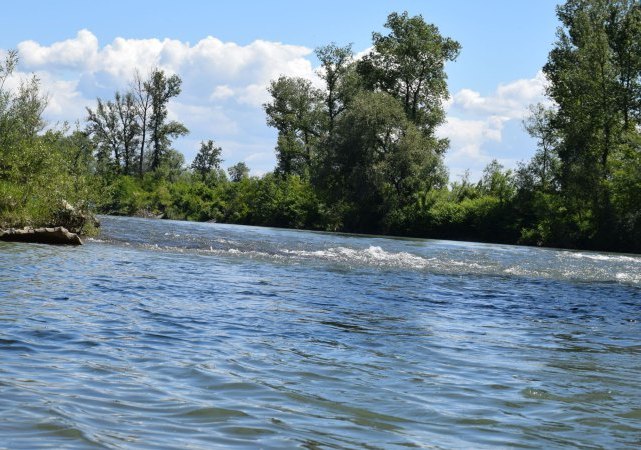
(238, 172)
(336, 65)
(409, 64)
(296, 112)
(131, 133)
(271, 200)
(497, 182)
(579, 189)
(366, 140)
(207, 160)
(161, 89)
(39, 173)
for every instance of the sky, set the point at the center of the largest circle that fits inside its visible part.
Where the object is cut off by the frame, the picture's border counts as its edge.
(227, 52)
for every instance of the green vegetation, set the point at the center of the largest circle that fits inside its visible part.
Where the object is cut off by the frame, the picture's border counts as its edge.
(39, 171)
(360, 153)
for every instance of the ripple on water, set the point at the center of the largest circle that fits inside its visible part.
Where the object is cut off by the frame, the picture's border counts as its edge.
(161, 334)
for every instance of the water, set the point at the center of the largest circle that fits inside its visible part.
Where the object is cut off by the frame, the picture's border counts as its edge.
(162, 334)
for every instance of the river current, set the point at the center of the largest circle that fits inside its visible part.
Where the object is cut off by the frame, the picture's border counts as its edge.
(163, 334)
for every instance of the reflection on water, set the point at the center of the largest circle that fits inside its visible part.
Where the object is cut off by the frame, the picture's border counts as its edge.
(177, 335)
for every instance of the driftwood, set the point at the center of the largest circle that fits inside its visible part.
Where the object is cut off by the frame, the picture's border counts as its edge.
(56, 236)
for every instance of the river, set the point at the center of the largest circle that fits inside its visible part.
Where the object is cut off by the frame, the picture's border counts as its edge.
(163, 334)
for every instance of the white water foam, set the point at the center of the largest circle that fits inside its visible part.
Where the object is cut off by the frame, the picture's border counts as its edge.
(597, 257)
(372, 255)
(376, 256)
(629, 278)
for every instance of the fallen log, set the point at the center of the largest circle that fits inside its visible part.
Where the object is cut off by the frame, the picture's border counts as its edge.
(55, 236)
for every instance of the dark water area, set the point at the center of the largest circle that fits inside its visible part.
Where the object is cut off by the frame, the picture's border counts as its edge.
(161, 334)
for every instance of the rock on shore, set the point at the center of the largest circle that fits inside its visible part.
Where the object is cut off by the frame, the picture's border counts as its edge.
(55, 235)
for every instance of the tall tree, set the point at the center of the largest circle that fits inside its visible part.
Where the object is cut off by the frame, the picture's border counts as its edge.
(114, 129)
(295, 110)
(102, 126)
(128, 128)
(335, 64)
(142, 98)
(381, 160)
(238, 172)
(409, 63)
(625, 37)
(539, 125)
(161, 89)
(594, 71)
(207, 160)
(20, 113)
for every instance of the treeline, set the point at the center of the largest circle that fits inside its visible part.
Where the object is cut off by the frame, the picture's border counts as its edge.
(360, 153)
(583, 186)
(352, 155)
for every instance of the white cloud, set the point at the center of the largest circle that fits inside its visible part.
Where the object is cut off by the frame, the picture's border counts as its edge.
(363, 53)
(77, 53)
(476, 124)
(467, 138)
(64, 100)
(221, 92)
(214, 121)
(215, 73)
(509, 100)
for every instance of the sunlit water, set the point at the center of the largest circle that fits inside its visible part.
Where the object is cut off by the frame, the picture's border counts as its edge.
(161, 334)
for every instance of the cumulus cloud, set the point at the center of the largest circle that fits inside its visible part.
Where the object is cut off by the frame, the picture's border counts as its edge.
(509, 100)
(77, 53)
(476, 124)
(468, 137)
(64, 102)
(221, 92)
(215, 73)
(209, 62)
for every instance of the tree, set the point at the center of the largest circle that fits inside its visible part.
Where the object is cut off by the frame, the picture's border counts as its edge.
(497, 182)
(296, 112)
(409, 64)
(544, 164)
(115, 130)
(238, 172)
(335, 64)
(161, 89)
(128, 128)
(40, 171)
(7, 67)
(625, 37)
(22, 118)
(594, 71)
(381, 160)
(207, 160)
(142, 98)
(102, 126)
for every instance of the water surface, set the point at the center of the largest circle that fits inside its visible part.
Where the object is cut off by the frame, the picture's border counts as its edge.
(161, 334)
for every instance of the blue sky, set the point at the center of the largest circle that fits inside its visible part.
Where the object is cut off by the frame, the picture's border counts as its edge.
(82, 50)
